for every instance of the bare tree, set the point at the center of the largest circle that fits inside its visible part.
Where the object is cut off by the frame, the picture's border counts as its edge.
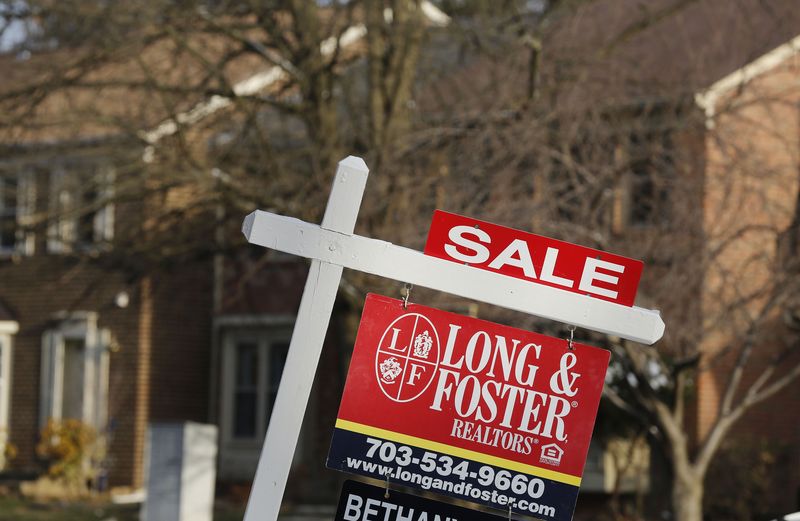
(708, 201)
(235, 104)
(562, 116)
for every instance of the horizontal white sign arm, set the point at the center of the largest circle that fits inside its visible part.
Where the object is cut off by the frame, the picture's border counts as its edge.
(383, 258)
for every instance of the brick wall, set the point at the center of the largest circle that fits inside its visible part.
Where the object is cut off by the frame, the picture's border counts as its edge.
(751, 187)
(159, 372)
(181, 344)
(36, 289)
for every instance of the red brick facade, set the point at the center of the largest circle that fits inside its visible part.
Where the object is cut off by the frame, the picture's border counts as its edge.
(158, 365)
(752, 151)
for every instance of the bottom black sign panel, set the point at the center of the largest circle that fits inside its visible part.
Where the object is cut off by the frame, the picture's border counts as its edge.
(362, 502)
(451, 475)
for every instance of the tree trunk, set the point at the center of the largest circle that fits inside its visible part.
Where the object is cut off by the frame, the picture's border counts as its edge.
(687, 496)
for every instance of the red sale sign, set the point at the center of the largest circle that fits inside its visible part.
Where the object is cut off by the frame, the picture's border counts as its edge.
(468, 408)
(534, 257)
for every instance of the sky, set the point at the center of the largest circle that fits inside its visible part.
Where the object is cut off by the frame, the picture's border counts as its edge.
(12, 32)
(12, 35)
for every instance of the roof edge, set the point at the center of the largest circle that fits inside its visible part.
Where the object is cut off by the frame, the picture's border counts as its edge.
(707, 99)
(263, 79)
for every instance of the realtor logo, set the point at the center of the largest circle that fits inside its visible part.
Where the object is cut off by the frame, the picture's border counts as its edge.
(551, 454)
(407, 357)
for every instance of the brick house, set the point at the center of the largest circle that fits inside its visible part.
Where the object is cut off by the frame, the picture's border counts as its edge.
(723, 108)
(98, 324)
(194, 343)
(85, 337)
(755, 111)
(737, 137)
(89, 342)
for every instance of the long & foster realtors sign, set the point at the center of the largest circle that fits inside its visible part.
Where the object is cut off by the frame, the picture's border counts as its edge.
(468, 408)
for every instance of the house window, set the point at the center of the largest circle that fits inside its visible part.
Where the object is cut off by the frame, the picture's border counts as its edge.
(245, 392)
(74, 375)
(641, 197)
(8, 213)
(73, 379)
(649, 164)
(252, 365)
(254, 362)
(16, 207)
(650, 169)
(81, 209)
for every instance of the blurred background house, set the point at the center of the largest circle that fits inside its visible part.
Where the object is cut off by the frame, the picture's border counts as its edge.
(133, 140)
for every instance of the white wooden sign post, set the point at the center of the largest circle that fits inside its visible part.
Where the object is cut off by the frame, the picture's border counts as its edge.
(331, 247)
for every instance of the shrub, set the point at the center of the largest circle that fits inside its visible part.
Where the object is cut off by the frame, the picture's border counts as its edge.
(68, 446)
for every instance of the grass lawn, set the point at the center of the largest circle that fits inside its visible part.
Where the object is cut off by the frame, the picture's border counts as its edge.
(16, 509)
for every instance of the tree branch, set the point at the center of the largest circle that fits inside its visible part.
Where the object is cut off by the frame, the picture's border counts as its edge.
(648, 20)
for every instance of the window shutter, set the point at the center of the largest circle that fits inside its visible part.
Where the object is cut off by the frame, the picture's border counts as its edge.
(50, 388)
(95, 394)
(104, 218)
(103, 372)
(57, 207)
(26, 209)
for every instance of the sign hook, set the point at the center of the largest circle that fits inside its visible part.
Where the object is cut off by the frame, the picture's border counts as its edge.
(386, 493)
(570, 345)
(407, 289)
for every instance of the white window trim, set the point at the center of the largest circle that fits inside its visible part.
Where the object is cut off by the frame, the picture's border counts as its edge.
(62, 229)
(245, 320)
(264, 330)
(7, 329)
(222, 324)
(56, 227)
(264, 339)
(95, 369)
